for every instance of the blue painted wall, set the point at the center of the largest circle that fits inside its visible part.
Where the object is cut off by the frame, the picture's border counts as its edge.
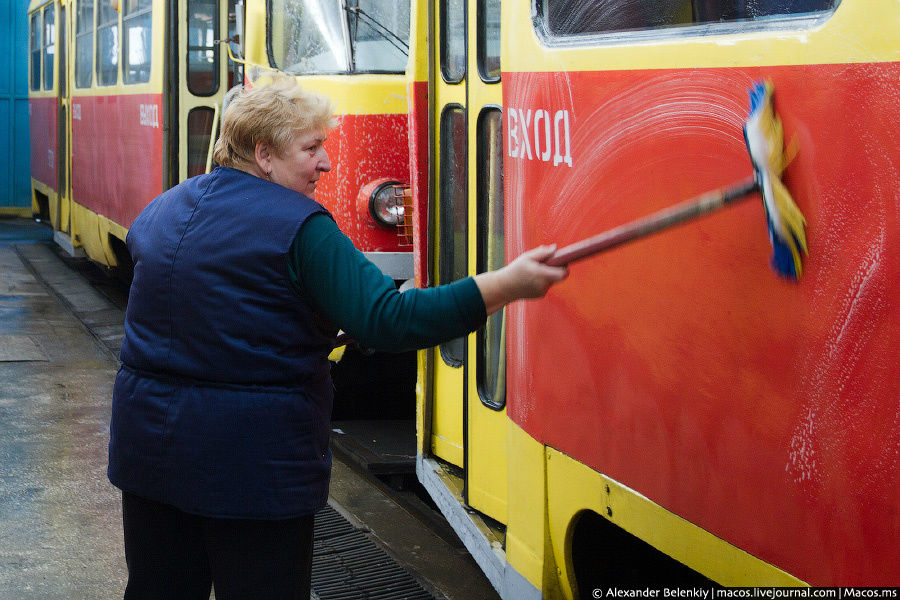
(15, 154)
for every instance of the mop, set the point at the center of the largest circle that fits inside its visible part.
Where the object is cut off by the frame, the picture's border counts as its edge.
(763, 135)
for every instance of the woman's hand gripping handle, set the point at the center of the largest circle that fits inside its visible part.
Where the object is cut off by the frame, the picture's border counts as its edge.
(528, 276)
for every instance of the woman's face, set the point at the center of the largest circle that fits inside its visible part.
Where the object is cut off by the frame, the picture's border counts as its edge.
(302, 162)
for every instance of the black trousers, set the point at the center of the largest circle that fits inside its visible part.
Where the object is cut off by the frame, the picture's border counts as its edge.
(175, 555)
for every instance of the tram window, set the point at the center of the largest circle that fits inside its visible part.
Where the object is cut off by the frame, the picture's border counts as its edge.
(577, 17)
(107, 44)
(453, 40)
(84, 43)
(491, 353)
(202, 57)
(136, 40)
(489, 39)
(236, 69)
(199, 126)
(307, 36)
(36, 45)
(379, 34)
(49, 45)
(452, 226)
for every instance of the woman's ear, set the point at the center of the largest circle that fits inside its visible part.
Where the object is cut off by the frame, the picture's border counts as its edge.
(263, 156)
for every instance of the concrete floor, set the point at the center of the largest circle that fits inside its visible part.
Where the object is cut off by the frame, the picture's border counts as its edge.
(60, 519)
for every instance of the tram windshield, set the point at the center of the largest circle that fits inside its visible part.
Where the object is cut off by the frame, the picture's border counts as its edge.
(331, 36)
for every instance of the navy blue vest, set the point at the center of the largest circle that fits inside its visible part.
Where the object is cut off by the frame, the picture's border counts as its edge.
(222, 405)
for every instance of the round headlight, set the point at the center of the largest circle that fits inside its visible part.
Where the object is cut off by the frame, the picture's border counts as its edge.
(386, 205)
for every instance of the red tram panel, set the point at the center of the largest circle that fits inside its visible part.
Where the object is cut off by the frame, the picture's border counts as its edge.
(363, 148)
(117, 153)
(764, 411)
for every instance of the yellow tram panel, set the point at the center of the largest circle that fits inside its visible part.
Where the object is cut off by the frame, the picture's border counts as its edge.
(573, 488)
(486, 439)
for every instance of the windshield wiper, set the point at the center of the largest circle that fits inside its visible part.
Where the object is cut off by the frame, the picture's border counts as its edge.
(392, 38)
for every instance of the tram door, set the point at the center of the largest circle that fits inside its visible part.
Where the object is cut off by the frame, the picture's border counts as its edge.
(52, 37)
(63, 222)
(205, 74)
(469, 379)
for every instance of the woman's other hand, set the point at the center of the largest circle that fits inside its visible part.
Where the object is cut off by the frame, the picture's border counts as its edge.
(528, 276)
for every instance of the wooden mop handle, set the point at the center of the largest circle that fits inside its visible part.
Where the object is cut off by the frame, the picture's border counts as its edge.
(663, 219)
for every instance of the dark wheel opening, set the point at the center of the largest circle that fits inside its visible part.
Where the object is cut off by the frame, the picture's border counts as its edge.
(124, 272)
(43, 203)
(605, 555)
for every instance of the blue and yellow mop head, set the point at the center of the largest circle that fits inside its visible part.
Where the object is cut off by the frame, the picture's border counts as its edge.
(764, 136)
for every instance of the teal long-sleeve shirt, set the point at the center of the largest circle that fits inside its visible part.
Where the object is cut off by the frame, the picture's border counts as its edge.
(348, 289)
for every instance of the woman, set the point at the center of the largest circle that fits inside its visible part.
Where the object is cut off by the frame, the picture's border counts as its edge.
(221, 408)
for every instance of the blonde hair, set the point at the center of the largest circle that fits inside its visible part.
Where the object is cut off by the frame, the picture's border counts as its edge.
(272, 113)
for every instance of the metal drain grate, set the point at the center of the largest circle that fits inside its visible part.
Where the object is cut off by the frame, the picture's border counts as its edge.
(347, 565)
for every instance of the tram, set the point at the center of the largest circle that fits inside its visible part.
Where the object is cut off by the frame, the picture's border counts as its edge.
(673, 413)
(125, 102)
(356, 53)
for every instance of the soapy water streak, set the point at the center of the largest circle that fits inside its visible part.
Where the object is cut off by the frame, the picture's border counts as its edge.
(577, 16)
(688, 105)
(835, 400)
(837, 403)
(674, 104)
